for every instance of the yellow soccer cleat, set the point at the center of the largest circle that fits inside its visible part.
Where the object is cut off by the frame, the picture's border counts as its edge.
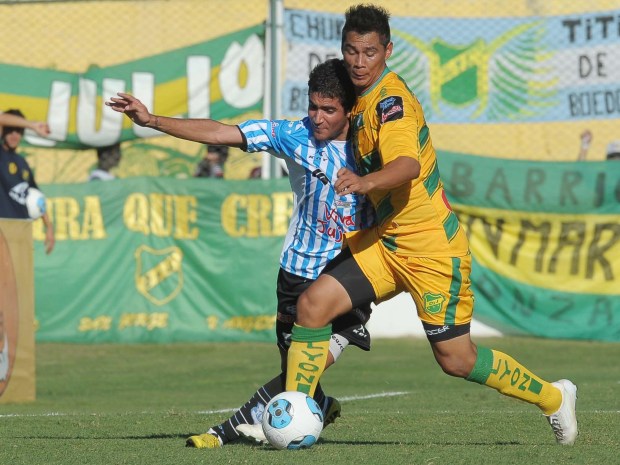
(203, 441)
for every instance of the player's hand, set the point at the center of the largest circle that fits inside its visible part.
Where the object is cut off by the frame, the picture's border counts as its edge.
(42, 129)
(132, 107)
(50, 240)
(586, 137)
(350, 183)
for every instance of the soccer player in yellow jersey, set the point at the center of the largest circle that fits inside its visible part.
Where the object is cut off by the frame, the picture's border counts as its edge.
(418, 245)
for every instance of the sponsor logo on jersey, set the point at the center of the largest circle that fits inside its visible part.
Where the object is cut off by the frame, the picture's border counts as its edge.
(317, 173)
(333, 224)
(433, 303)
(390, 109)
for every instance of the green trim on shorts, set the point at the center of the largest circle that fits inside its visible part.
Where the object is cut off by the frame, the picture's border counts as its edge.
(303, 334)
(483, 366)
(455, 288)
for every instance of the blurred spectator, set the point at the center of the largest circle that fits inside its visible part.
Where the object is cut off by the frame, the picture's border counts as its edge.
(16, 121)
(613, 150)
(256, 173)
(107, 158)
(586, 140)
(16, 178)
(212, 165)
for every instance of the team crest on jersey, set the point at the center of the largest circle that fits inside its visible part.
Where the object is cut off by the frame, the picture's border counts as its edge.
(433, 303)
(159, 273)
(390, 109)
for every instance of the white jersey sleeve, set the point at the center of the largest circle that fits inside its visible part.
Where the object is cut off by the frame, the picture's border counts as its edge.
(320, 216)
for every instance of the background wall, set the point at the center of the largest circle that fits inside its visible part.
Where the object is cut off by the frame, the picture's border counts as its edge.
(508, 89)
(81, 36)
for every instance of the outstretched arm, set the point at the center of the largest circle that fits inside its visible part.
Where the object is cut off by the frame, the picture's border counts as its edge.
(6, 119)
(205, 131)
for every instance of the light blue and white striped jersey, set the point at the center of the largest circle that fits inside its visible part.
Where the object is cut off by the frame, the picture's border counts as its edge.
(320, 216)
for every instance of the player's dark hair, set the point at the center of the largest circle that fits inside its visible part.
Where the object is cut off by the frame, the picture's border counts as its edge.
(8, 129)
(330, 79)
(367, 18)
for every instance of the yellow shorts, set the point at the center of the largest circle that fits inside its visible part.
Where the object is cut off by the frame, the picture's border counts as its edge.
(440, 286)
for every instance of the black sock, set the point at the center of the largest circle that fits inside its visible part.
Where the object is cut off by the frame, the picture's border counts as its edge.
(320, 397)
(252, 411)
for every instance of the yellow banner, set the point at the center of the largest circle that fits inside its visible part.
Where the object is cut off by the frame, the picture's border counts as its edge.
(563, 252)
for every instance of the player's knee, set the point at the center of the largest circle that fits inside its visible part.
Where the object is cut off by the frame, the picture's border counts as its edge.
(310, 312)
(304, 305)
(457, 365)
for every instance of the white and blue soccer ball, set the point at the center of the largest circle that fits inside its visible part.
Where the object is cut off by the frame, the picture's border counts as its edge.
(292, 420)
(35, 203)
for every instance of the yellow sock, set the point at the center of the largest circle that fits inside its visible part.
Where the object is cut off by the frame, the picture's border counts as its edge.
(504, 374)
(307, 357)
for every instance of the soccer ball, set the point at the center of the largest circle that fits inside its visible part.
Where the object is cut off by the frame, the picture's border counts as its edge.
(35, 202)
(292, 420)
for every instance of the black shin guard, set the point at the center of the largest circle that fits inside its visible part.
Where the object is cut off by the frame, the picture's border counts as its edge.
(252, 411)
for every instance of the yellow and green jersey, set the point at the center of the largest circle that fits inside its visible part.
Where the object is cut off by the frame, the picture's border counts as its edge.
(414, 219)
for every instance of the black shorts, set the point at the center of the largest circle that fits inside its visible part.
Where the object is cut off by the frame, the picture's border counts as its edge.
(345, 269)
(351, 326)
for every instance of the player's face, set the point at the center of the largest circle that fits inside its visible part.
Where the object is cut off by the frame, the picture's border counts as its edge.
(364, 57)
(329, 120)
(12, 138)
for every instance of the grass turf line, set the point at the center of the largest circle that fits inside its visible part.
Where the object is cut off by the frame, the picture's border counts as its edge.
(130, 404)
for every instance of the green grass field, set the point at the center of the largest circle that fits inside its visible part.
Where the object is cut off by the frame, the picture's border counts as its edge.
(136, 404)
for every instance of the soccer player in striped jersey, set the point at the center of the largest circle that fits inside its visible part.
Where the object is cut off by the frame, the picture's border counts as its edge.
(314, 150)
(417, 246)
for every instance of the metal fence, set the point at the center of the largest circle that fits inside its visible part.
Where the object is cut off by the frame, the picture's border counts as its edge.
(522, 79)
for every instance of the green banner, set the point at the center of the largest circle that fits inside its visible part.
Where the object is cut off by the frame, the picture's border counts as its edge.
(545, 238)
(161, 260)
(221, 78)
